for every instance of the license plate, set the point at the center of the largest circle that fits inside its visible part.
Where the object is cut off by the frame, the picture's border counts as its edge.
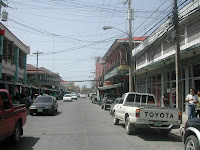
(40, 110)
(158, 124)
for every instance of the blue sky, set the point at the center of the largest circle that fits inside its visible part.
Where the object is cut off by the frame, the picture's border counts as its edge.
(70, 34)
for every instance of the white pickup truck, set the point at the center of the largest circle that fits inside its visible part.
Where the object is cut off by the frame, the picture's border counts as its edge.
(139, 110)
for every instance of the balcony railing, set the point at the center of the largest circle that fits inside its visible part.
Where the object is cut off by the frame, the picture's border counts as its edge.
(117, 64)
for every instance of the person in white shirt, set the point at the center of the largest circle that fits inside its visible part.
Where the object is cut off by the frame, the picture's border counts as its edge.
(192, 99)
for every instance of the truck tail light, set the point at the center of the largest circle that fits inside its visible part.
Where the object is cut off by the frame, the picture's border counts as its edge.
(179, 116)
(137, 114)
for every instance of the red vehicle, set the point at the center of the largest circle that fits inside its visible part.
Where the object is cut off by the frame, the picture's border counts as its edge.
(12, 118)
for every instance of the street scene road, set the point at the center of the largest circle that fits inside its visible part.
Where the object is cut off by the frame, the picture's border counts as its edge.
(81, 125)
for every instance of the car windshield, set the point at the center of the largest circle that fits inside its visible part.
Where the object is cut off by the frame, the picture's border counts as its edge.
(67, 96)
(74, 95)
(43, 99)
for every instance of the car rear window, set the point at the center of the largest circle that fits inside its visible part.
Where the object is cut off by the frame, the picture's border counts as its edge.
(111, 95)
(67, 95)
(138, 98)
(43, 99)
(130, 98)
(144, 97)
(151, 99)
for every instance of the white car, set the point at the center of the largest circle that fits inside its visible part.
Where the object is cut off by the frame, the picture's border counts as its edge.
(67, 97)
(74, 96)
(83, 95)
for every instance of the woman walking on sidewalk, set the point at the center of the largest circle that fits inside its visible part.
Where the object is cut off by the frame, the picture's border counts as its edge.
(198, 105)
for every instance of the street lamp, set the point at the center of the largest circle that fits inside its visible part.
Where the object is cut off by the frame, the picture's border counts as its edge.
(130, 52)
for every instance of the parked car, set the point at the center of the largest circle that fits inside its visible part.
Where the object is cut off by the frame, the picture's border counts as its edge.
(67, 97)
(44, 104)
(191, 134)
(94, 99)
(83, 95)
(113, 104)
(140, 110)
(108, 99)
(12, 118)
(74, 96)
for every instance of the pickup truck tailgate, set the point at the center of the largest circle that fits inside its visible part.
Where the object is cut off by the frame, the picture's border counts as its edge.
(159, 114)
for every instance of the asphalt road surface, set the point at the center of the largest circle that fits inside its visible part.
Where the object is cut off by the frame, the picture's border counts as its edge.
(81, 125)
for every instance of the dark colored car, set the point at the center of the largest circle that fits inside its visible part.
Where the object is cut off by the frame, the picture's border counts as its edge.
(191, 134)
(108, 99)
(117, 101)
(44, 104)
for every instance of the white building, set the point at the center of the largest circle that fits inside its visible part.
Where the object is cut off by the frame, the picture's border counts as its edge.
(155, 57)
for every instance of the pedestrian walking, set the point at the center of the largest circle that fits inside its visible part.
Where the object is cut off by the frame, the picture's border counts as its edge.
(198, 105)
(192, 99)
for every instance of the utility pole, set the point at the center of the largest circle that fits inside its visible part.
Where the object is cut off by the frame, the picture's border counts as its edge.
(179, 101)
(130, 17)
(36, 75)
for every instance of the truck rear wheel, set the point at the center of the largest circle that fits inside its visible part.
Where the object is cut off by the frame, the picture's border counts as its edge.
(15, 137)
(130, 128)
(115, 120)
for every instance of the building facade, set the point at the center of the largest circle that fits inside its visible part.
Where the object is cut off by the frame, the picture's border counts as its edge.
(155, 58)
(43, 77)
(117, 62)
(13, 61)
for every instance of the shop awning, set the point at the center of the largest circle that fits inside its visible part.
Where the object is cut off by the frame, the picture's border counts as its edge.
(110, 86)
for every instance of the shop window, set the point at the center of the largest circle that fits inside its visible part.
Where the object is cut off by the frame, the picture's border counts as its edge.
(159, 78)
(167, 87)
(183, 73)
(154, 89)
(190, 84)
(196, 70)
(153, 79)
(173, 94)
(138, 81)
(190, 71)
(149, 89)
(158, 97)
(149, 80)
(168, 76)
(173, 75)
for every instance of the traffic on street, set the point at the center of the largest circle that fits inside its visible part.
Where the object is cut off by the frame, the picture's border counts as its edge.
(99, 75)
(82, 125)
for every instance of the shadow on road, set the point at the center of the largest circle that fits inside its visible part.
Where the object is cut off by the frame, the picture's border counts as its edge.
(46, 114)
(26, 143)
(154, 135)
